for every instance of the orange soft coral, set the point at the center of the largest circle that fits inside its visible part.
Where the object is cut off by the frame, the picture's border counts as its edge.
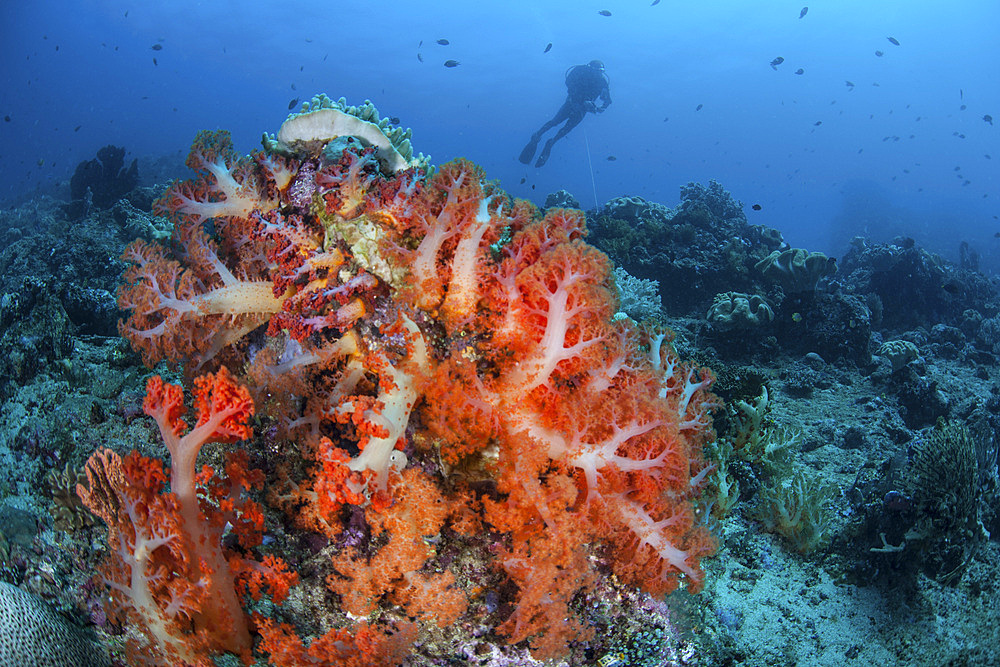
(416, 517)
(364, 646)
(431, 324)
(169, 573)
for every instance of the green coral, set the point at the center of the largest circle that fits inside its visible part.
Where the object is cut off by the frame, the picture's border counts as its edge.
(723, 485)
(796, 508)
(758, 440)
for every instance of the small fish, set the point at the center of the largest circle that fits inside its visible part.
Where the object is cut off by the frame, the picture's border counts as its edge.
(611, 158)
(777, 61)
(451, 63)
(157, 47)
(698, 108)
(155, 64)
(849, 84)
(796, 317)
(420, 44)
(293, 103)
(666, 118)
(805, 10)
(879, 54)
(604, 12)
(443, 42)
(893, 40)
(394, 120)
(548, 47)
(6, 119)
(420, 58)
(532, 186)
(41, 163)
(997, 235)
(126, 13)
(952, 287)
(757, 207)
(523, 179)
(77, 128)
(293, 87)
(655, 2)
(961, 94)
(818, 123)
(800, 71)
(988, 118)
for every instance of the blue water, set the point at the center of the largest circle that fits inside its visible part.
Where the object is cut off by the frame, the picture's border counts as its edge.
(234, 64)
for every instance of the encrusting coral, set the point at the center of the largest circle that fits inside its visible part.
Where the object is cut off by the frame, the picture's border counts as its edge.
(432, 352)
(32, 633)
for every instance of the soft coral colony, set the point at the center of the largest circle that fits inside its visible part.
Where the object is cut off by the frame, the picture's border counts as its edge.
(432, 355)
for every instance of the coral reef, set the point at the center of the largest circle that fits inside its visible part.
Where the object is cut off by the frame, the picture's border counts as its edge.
(561, 199)
(388, 325)
(101, 182)
(913, 285)
(705, 242)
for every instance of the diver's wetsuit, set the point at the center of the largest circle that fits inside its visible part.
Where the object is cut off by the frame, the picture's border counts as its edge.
(584, 84)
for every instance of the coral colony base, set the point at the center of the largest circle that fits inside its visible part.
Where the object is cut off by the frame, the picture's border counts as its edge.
(427, 372)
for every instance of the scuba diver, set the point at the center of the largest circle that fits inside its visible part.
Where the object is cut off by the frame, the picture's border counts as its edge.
(584, 84)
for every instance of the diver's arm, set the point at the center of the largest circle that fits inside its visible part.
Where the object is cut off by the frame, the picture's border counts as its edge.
(605, 99)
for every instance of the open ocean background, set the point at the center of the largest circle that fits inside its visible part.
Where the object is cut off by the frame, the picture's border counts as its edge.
(905, 150)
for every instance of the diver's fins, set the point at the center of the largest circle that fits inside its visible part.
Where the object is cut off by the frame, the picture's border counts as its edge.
(529, 150)
(544, 156)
